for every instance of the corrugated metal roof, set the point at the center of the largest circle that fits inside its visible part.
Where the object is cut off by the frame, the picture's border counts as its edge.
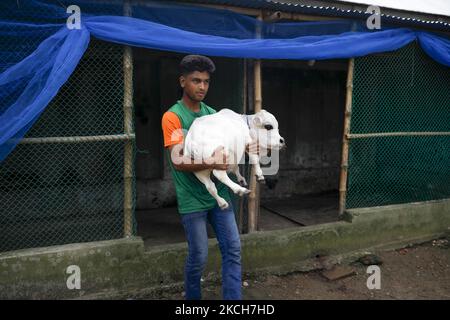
(351, 9)
(439, 7)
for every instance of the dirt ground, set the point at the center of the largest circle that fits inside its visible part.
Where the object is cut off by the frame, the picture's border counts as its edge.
(421, 272)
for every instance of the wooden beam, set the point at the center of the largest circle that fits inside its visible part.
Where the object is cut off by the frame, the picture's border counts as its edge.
(328, 65)
(283, 15)
(241, 10)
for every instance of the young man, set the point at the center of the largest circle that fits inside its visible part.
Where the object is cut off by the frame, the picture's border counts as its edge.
(196, 206)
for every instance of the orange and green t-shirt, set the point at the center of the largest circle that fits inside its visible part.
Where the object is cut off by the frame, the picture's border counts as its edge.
(192, 195)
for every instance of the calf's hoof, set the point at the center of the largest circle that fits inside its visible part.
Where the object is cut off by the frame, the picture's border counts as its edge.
(260, 179)
(243, 191)
(242, 183)
(223, 205)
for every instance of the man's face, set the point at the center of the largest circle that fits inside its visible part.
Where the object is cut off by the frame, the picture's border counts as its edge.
(195, 85)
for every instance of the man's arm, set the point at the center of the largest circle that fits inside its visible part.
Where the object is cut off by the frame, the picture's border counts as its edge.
(173, 140)
(181, 162)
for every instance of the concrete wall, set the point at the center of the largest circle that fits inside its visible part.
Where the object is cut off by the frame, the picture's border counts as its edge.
(121, 268)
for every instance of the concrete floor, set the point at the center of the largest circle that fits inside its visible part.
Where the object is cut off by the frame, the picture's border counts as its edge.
(163, 225)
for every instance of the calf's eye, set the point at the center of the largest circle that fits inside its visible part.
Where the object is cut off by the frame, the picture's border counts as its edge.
(268, 127)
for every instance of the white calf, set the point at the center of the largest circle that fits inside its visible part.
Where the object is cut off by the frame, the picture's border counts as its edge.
(233, 132)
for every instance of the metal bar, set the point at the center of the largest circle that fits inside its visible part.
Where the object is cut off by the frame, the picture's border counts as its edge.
(394, 134)
(128, 128)
(345, 140)
(80, 139)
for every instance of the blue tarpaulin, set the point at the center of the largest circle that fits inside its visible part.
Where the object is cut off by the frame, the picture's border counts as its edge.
(36, 80)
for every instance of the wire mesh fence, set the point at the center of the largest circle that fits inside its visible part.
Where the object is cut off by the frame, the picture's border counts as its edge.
(400, 124)
(66, 181)
(72, 178)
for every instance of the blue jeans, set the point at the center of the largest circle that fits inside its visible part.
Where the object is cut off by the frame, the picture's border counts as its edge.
(224, 225)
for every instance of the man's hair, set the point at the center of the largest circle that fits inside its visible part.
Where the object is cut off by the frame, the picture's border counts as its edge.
(192, 63)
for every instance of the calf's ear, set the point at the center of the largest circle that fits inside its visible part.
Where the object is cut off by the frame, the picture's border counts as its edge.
(259, 118)
(257, 121)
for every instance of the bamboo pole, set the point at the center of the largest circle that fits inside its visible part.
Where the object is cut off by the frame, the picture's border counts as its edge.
(345, 140)
(254, 186)
(253, 197)
(244, 110)
(128, 128)
(78, 139)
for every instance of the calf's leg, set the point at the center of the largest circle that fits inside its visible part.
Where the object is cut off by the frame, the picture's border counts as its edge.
(240, 178)
(225, 179)
(254, 160)
(205, 177)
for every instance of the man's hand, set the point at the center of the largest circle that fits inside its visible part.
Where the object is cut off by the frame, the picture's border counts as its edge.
(218, 160)
(252, 148)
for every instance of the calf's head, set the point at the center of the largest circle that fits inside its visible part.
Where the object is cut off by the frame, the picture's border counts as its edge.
(264, 127)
